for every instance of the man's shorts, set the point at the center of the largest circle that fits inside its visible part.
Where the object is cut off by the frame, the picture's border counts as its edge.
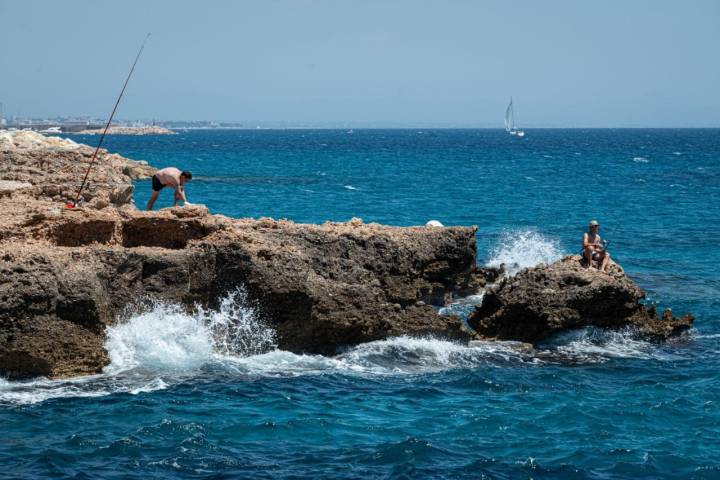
(156, 185)
(595, 255)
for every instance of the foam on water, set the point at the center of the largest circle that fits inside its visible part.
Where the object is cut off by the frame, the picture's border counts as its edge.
(163, 346)
(156, 348)
(164, 338)
(523, 249)
(167, 338)
(590, 345)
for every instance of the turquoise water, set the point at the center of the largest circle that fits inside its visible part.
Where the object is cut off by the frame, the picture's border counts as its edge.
(177, 402)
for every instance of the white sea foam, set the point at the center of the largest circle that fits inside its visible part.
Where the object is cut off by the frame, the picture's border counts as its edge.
(523, 249)
(164, 338)
(594, 344)
(165, 346)
(350, 187)
(167, 338)
(157, 348)
(708, 335)
(640, 160)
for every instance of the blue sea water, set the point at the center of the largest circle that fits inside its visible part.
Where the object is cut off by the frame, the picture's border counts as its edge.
(185, 397)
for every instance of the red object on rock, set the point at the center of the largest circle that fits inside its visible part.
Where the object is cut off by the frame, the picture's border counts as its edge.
(69, 205)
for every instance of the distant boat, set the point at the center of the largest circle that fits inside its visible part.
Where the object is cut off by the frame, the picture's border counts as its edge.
(51, 130)
(510, 121)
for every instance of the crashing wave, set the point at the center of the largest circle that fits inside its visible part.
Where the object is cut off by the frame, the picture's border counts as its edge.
(168, 338)
(522, 249)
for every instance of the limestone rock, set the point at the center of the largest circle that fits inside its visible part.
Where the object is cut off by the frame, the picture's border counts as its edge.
(540, 301)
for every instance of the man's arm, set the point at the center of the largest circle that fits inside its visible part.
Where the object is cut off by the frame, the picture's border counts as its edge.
(586, 242)
(180, 195)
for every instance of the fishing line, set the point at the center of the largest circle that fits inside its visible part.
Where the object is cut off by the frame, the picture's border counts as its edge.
(73, 204)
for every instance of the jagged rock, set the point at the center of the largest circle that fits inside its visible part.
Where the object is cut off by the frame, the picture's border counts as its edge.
(54, 168)
(541, 301)
(320, 287)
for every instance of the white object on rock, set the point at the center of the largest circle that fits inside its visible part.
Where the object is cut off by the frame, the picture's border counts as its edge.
(434, 223)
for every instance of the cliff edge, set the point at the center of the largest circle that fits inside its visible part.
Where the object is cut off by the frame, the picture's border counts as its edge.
(66, 274)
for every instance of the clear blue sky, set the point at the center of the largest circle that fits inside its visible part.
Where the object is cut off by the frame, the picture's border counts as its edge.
(376, 62)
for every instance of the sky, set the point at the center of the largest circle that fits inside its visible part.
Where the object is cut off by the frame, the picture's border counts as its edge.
(575, 63)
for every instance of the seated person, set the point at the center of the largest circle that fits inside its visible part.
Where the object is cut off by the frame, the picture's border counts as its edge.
(593, 248)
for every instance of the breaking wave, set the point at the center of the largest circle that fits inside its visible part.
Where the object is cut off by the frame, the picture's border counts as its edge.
(167, 338)
(597, 345)
(523, 249)
(166, 346)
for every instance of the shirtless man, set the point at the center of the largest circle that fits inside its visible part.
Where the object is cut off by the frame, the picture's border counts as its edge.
(169, 177)
(592, 247)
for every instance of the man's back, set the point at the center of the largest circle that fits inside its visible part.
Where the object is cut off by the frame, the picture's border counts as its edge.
(169, 176)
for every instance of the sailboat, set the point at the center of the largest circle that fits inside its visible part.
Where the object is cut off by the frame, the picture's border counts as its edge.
(510, 121)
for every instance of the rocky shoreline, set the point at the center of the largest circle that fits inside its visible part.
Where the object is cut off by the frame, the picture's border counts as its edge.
(67, 274)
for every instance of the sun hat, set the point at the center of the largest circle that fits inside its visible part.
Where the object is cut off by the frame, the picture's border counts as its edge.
(594, 223)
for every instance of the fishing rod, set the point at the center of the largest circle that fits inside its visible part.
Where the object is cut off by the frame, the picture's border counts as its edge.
(73, 204)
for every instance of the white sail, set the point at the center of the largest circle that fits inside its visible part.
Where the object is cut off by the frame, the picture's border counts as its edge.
(510, 121)
(509, 117)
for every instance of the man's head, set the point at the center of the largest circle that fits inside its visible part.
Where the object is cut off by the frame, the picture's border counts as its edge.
(593, 225)
(185, 176)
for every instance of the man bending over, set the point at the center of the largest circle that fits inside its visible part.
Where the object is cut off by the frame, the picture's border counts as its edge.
(169, 177)
(593, 247)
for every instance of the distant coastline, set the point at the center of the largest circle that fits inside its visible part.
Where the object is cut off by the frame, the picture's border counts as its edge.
(146, 130)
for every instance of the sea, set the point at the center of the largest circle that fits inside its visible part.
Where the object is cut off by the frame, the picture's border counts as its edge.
(209, 395)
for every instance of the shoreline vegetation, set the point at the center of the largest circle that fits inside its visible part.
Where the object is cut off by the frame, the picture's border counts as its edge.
(69, 274)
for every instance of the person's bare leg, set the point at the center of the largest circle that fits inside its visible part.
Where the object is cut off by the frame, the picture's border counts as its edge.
(151, 202)
(588, 257)
(605, 261)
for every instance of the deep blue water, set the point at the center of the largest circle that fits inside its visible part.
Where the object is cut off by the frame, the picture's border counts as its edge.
(178, 403)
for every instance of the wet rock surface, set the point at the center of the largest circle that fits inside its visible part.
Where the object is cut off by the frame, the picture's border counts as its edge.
(541, 301)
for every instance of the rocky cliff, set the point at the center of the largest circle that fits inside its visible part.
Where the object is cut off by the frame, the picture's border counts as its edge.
(65, 274)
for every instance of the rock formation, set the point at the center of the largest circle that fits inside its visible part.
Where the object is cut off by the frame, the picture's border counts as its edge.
(65, 274)
(540, 301)
(52, 168)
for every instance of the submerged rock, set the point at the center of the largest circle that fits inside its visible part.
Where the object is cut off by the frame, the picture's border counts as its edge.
(541, 301)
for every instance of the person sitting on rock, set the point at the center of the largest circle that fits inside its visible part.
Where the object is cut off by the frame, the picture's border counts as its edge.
(169, 177)
(593, 247)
